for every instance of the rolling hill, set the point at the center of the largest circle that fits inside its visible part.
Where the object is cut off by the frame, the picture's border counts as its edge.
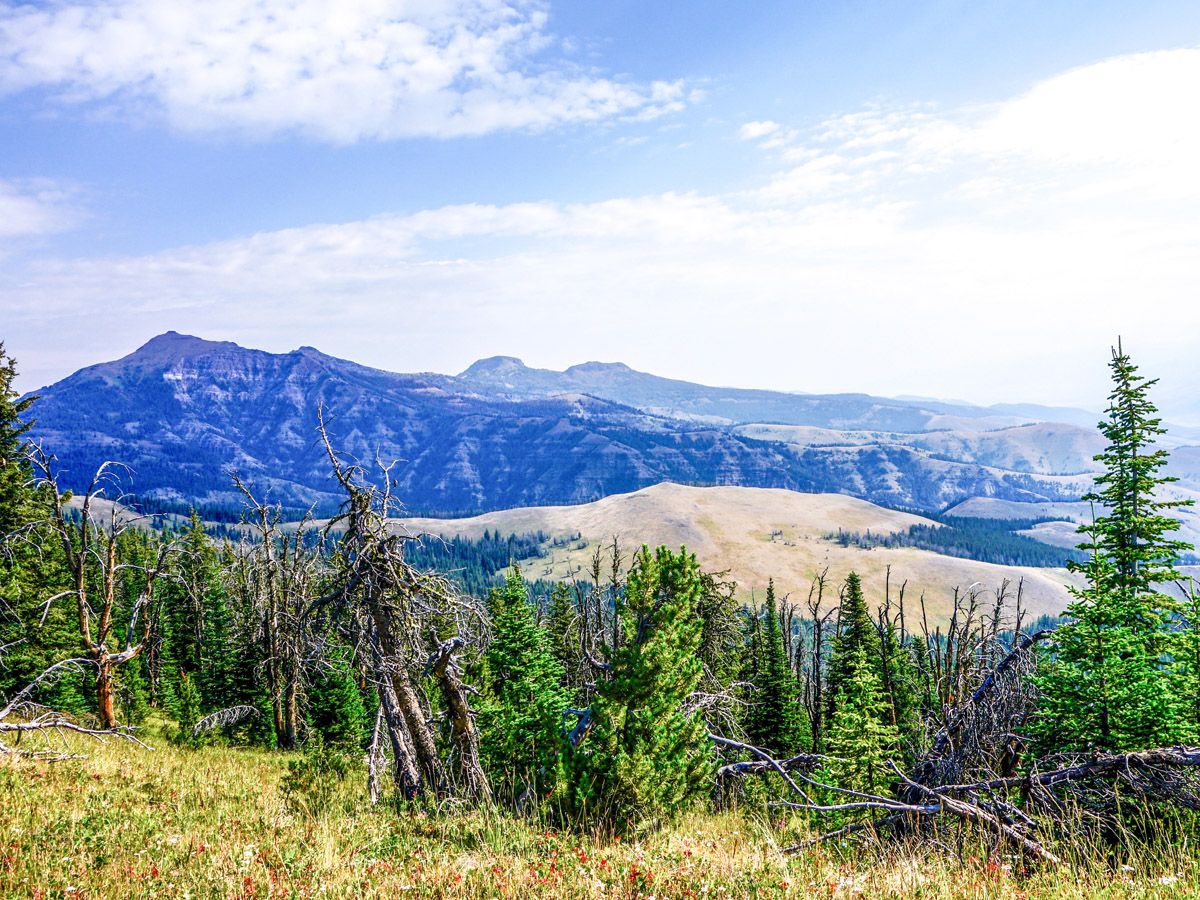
(756, 534)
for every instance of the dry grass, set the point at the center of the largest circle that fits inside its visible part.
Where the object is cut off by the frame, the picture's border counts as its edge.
(731, 528)
(126, 822)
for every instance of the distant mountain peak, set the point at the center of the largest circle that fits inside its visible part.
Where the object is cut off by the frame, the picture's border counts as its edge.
(172, 345)
(598, 368)
(493, 366)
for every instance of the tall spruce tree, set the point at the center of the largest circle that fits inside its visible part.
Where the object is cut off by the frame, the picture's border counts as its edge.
(1115, 682)
(562, 634)
(898, 672)
(35, 637)
(775, 720)
(856, 634)
(861, 737)
(647, 757)
(521, 717)
(16, 474)
(335, 704)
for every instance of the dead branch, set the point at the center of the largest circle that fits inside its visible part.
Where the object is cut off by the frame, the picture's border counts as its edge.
(222, 718)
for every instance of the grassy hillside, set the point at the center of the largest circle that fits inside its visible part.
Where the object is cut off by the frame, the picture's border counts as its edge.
(122, 822)
(756, 534)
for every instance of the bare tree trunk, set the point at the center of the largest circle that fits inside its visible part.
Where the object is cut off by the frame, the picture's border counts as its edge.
(407, 702)
(292, 713)
(404, 769)
(463, 733)
(104, 692)
(374, 755)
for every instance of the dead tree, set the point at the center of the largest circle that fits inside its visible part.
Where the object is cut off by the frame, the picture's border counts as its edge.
(277, 574)
(376, 590)
(810, 663)
(22, 715)
(443, 667)
(100, 572)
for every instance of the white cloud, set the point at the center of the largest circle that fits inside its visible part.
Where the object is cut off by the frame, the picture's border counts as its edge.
(335, 71)
(975, 251)
(35, 207)
(752, 131)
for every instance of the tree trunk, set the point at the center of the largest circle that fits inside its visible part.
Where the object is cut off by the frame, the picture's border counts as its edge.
(404, 769)
(407, 703)
(104, 692)
(463, 733)
(292, 713)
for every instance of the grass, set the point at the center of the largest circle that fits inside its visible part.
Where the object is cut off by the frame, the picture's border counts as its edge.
(127, 822)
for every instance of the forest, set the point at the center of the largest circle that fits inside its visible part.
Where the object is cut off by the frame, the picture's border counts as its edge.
(984, 539)
(427, 702)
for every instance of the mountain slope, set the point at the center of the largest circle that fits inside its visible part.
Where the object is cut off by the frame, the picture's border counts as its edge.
(184, 412)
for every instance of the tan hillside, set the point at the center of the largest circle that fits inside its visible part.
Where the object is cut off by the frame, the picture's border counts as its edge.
(756, 533)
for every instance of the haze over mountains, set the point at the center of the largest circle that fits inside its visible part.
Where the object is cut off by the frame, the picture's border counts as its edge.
(184, 412)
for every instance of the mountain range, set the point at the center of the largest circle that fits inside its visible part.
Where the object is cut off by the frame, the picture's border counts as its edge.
(183, 413)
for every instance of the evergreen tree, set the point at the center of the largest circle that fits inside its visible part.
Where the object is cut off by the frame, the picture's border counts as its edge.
(35, 637)
(1115, 683)
(135, 705)
(16, 475)
(647, 758)
(521, 720)
(856, 634)
(562, 635)
(335, 705)
(721, 641)
(898, 673)
(189, 709)
(861, 737)
(776, 720)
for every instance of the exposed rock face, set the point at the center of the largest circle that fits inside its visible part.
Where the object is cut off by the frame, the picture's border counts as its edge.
(183, 412)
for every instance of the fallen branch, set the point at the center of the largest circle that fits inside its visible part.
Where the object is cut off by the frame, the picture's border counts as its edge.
(224, 717)
(973, 813)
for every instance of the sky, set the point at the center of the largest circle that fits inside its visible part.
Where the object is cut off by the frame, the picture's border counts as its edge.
(951, 199)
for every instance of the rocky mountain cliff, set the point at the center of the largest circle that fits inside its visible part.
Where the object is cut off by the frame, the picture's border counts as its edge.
(184, 412)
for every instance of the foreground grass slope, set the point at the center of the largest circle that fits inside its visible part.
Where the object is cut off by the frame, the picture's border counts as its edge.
(122, 821)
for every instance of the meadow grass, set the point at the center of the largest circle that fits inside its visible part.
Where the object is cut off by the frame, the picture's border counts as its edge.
(123, 821)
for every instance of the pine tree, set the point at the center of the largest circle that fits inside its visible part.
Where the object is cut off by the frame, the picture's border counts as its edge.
(521, 719)
(647, 757)
(776, 720)
(189, 709)
(135, 705)
(562, 635)
(856, 634)
(16, 474)
(898, 673)
(35, 637)
(335, 705)
(861, 736)
(1115, 683)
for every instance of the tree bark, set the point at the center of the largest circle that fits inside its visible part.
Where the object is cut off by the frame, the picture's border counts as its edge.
(104, 692)
(463, 733)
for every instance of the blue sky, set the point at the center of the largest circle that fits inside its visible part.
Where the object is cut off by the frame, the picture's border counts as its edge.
(954, 199)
